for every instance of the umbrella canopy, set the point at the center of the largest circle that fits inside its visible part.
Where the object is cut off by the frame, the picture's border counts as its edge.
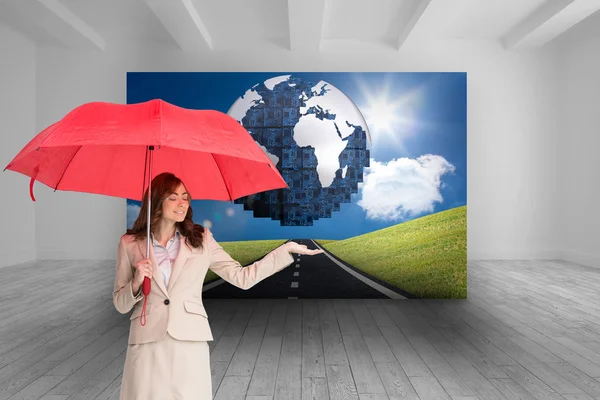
(102, 148)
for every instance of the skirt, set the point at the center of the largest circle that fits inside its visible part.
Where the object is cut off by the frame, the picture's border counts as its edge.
(169, 369)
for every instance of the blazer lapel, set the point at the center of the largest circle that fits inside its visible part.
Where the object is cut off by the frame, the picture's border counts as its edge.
(182, 256)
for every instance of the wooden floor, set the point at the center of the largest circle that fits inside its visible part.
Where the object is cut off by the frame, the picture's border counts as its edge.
(529, 330)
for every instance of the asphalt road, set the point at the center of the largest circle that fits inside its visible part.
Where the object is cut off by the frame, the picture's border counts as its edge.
(310, 277)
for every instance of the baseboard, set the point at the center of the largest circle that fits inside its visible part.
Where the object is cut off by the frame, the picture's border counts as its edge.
(510, 254)
(17, 257)
(74, 255)
(578, 257)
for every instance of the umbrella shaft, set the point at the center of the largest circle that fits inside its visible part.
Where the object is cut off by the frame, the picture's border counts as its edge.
(151, 149)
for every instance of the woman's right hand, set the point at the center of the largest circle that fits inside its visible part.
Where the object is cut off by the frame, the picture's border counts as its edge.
(143, 269)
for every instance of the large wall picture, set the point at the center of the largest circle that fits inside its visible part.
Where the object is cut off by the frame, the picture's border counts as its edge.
(375, 165)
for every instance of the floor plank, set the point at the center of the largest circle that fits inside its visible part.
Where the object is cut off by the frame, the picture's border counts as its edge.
(530, 329)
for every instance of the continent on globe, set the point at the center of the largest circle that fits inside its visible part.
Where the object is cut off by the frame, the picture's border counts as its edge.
(317, 138)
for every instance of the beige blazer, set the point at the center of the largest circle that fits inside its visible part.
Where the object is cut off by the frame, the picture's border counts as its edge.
(178, 309)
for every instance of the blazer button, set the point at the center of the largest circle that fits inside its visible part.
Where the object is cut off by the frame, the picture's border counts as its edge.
(167, 302)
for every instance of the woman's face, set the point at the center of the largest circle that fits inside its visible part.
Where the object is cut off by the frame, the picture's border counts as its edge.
(175, 206)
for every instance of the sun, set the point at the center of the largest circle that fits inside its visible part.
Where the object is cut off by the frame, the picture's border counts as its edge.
(389, 116)
(381, 116)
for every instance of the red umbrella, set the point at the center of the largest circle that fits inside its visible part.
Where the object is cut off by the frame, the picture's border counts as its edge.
(102, 148)
(116, 150)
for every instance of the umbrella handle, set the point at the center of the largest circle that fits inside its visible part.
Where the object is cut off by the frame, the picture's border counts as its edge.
(31, 189)
(146, 286)
(35, 172)
(146, 292)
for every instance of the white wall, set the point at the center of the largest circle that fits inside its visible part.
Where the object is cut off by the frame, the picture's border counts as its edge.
(17, 119)
(579, 143)
(512, 117)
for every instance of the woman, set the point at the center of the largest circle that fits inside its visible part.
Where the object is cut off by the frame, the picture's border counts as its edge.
(168, 355)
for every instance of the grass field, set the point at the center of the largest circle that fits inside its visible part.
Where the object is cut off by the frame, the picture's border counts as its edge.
(426, 256)
(245, 252)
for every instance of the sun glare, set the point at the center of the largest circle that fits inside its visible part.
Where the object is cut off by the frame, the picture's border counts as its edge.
(389, 116)
(381, 116)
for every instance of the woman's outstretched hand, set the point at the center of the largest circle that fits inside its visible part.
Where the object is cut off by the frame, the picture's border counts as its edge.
(293, 247)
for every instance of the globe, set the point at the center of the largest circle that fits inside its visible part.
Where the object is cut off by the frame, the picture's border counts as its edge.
(317, 138)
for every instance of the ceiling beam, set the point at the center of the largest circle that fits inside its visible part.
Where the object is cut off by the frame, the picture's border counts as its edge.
(306, 21)
(183, 22)
(73, 22)
(419, 8)
(548, 21)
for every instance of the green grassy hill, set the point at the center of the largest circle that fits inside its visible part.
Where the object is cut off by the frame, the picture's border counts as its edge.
(426, 256)
(245, 252)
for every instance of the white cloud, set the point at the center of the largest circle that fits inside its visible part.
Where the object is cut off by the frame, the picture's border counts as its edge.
(133, 210)
(403, 187)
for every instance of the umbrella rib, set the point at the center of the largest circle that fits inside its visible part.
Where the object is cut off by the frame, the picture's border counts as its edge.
(67, 167)
(221, 172)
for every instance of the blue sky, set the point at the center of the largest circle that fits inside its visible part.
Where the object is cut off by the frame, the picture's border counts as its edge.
(409, 115)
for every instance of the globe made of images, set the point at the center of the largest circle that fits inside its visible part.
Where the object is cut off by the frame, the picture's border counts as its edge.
(317, 138)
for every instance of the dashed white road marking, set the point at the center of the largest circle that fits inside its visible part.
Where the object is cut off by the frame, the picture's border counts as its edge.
(294, 284)
(292, 298)
(296, 273)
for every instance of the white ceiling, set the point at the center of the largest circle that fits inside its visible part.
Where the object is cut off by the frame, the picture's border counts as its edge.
(307, 25)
